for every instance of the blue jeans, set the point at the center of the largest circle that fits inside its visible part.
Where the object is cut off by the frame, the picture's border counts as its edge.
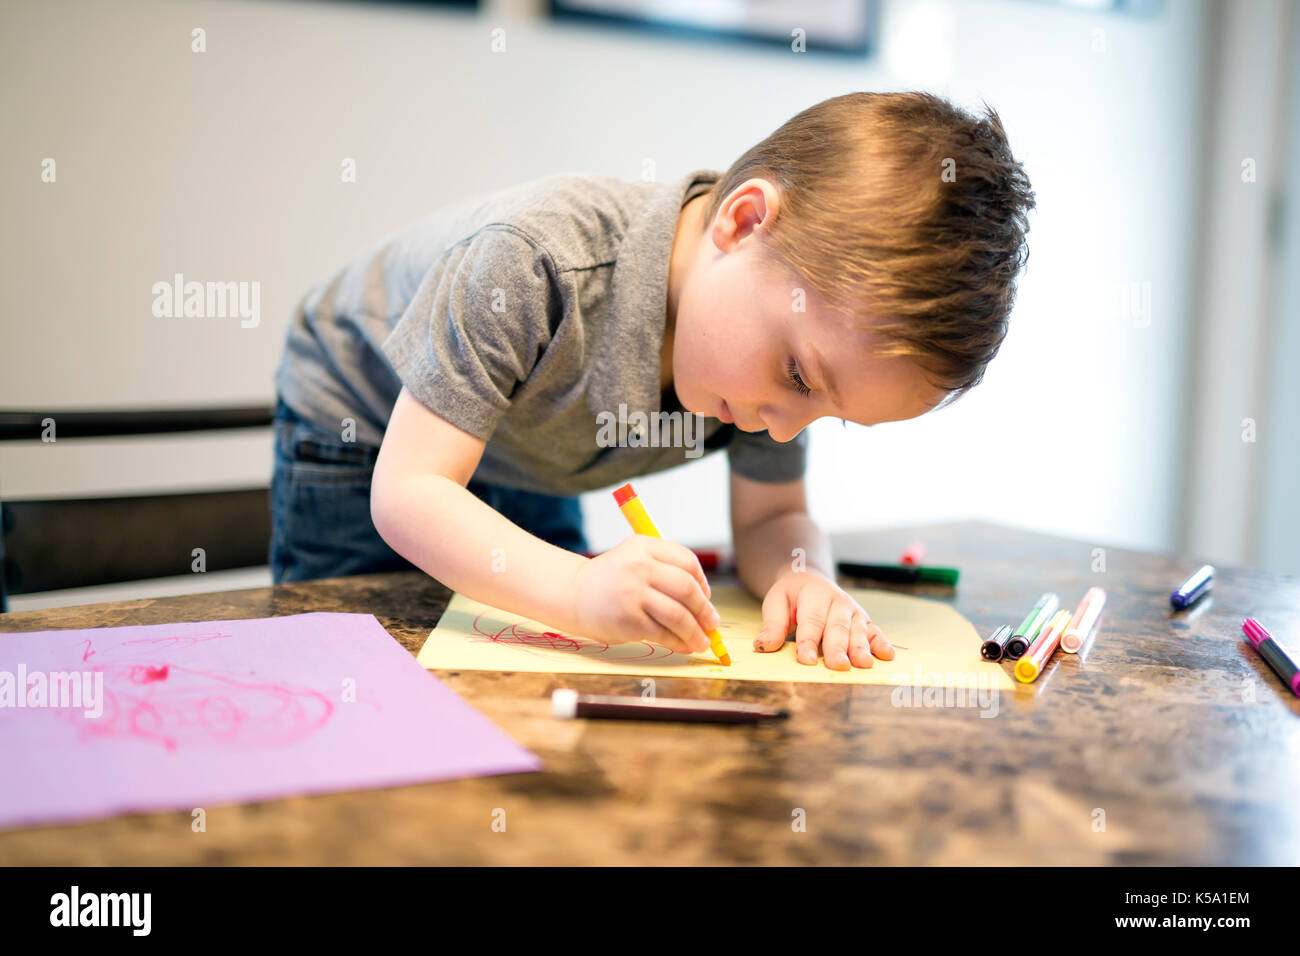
(320, 507)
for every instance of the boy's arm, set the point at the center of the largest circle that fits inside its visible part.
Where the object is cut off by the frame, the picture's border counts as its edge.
(769, 520)
(422, 509)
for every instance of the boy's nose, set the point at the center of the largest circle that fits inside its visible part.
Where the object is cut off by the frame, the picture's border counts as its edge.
(785, 428)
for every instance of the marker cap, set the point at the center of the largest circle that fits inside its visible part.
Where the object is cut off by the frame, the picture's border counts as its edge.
(1026, 670)
(946, 576)
(992, 649)
(564, 702)
(1255, 632)
(1194, 588)
(1071, 641)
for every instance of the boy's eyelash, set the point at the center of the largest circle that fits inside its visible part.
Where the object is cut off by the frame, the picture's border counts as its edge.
(792, 370)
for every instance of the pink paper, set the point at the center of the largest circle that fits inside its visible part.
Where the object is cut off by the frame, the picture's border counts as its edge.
(218, 712)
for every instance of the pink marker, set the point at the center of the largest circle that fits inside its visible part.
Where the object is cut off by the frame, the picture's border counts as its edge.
(914, 554)
(1080, 626)
(1273, 652)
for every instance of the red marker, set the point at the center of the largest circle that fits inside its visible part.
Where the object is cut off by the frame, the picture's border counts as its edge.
(1029, 666)
(914, 554)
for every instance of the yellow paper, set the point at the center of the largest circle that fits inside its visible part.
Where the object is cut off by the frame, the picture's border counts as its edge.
(934, 646)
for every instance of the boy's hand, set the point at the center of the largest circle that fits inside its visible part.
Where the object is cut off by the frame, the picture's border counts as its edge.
(645, 589)
(825, 615)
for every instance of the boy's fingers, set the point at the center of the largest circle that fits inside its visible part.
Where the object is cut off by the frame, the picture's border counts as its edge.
(776, 621)
(658, 634)
(813, 613)
(879, 645)
(859, 642)
(684, 589)
(683, 557)
(835, 640)
(674, 618)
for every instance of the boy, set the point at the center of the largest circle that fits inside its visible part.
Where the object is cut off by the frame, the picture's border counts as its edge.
(445, 397)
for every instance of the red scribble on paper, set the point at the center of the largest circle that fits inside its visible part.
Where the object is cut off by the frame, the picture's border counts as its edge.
(144, 674)
(524, 637)
(178, 707)
(180, 640)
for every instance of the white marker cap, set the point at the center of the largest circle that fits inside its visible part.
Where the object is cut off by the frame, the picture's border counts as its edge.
(564, 702)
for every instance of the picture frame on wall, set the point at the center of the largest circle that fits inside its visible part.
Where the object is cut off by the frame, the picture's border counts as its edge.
(846, 27)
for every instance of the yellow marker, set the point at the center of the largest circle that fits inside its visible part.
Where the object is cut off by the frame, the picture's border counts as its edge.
(639, 519)
(1027, 667)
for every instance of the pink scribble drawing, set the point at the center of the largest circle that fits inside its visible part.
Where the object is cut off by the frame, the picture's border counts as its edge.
(525, 638)
(530, 640)
(176, 707)
(180, 640)
(144, 674)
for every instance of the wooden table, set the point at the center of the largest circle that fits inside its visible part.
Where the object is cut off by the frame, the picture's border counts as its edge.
(1170, 731)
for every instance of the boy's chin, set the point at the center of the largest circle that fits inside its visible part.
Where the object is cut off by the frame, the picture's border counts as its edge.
(693, 405)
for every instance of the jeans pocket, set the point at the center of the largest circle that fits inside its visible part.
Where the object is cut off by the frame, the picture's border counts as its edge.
(321, 523)
(315, 457)
(317, 452)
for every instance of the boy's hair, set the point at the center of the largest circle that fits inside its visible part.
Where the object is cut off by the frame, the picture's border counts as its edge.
(902, 206)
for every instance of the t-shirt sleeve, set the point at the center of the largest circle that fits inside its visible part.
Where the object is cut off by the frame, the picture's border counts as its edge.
(477, 325)
(759, 457)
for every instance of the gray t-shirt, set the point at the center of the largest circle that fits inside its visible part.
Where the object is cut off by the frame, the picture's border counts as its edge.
(532, 317)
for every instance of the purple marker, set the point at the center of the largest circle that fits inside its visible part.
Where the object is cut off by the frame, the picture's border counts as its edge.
(1272, 651)
(1194, 588)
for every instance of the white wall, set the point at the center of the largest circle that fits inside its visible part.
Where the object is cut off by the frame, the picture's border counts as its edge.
(1279, 504)
(225, 165)
(1239, 481)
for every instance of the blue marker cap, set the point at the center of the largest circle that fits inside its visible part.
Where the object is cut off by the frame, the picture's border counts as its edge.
(1194, 588)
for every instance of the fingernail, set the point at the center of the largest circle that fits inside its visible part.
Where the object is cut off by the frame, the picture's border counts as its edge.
(714, 616)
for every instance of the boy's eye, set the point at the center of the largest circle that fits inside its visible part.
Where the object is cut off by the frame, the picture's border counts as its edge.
(792, 370)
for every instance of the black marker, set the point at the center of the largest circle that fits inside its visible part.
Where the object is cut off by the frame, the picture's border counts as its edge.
(1024, 636)
(991, 650)
(1193, 589)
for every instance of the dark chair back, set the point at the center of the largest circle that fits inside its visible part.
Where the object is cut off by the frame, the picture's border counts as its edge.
(56, 543)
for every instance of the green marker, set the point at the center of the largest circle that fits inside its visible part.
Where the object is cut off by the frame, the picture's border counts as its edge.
(898, 573)
(1031, 625)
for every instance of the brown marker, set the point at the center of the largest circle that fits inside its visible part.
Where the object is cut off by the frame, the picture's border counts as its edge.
(569, 703)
